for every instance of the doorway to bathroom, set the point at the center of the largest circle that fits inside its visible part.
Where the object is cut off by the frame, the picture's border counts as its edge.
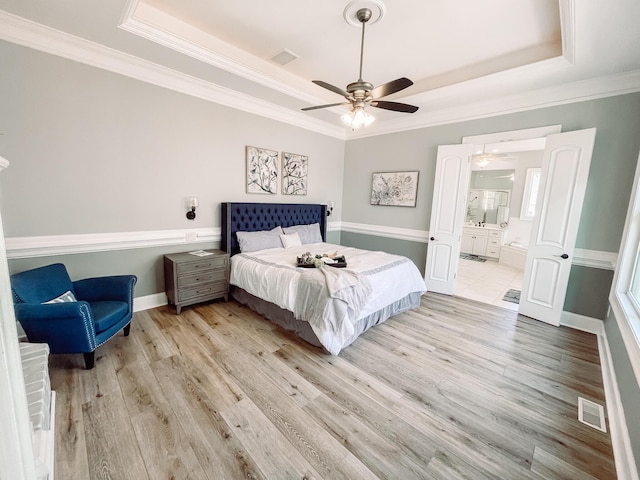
(562, 185)
(500, 199)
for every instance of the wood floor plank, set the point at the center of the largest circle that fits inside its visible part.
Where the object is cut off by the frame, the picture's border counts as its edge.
(71, 451)
(271, 451)
(454, 389)
(219, 452)
(550, 466)
(365, 412)
(316, 445)
(163, 443)
(112, 448)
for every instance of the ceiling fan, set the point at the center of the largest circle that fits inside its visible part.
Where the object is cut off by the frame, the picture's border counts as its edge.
(360, 93)
(482, 159)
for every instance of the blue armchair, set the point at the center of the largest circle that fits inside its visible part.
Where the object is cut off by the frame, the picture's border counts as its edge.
(72, 317)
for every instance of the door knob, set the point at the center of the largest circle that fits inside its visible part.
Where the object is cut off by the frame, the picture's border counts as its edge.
(564, 256)
(433, 239)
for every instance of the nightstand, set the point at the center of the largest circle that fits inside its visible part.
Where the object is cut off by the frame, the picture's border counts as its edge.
(192, 279)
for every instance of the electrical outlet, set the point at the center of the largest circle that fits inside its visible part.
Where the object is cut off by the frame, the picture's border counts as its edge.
(191, 236)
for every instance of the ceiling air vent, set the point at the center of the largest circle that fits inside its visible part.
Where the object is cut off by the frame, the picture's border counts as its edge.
(284, 57)
(591, 414)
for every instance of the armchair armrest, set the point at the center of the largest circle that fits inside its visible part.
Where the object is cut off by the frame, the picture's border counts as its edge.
(67, 327)
(117, 287)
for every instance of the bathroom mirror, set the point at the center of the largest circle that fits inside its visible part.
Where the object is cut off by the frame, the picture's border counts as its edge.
(489, 196)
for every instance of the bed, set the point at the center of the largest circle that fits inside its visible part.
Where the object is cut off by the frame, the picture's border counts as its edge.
(328, 307)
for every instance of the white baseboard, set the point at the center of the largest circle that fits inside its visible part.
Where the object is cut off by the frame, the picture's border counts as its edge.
(583, 323)
(623, 453)
(626, 467)
(149, 301)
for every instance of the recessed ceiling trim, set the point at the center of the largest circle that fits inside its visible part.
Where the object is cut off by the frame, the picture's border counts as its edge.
(30, 34)
(150, 23)
(568, 29)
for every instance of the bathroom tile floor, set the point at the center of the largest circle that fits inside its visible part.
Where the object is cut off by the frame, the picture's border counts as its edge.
(487, 282)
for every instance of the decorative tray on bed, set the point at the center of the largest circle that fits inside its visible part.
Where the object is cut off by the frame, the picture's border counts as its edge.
(309, 261)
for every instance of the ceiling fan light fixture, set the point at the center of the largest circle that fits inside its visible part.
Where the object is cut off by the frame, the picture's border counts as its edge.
(357, 118)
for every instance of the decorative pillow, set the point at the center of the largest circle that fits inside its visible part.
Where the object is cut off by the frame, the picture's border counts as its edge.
(291, 240)
(252, 241)
(308, 233)
(67, 296)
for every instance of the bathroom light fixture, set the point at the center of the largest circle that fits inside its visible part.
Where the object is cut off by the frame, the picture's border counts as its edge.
(192, 204)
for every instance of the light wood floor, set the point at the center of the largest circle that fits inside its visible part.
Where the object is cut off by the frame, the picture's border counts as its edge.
(454, 389)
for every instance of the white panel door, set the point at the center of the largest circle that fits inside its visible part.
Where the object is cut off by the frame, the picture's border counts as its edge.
(565, 169)
(447, 210)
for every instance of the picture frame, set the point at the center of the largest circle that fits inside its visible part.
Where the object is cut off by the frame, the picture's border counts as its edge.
(262, 170)
(396, 189)
(294, 174)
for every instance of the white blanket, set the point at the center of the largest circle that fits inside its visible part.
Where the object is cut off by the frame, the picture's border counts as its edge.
(330, 299)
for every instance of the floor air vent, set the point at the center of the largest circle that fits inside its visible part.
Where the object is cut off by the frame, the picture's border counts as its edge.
(591, 414)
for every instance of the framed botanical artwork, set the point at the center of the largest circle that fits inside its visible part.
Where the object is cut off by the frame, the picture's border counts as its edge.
(398, 189)
(294, 174)
(262, 170)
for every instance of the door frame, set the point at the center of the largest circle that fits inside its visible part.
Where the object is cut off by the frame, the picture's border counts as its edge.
(510, 142)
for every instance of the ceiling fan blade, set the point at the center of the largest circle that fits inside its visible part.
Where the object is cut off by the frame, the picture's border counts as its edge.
(324, 106)
(328, 86)
(395, 106)
(391, 87)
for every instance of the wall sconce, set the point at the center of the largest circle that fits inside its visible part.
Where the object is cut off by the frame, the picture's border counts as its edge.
(192, 203)
(330, 206)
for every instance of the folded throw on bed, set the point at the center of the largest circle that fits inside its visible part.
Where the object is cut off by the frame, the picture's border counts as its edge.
(331, 300)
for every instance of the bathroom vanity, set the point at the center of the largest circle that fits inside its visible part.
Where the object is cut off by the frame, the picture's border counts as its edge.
(484, 241)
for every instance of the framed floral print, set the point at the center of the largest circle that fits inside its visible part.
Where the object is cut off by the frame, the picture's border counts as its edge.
(294, 174)
(262, 170)
(397, 189)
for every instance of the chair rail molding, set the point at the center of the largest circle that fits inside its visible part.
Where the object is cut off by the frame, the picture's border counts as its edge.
(50, 245)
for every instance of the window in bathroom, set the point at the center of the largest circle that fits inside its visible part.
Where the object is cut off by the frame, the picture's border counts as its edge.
(530, 196)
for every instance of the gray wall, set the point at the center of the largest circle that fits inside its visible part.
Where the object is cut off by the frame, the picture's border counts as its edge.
(617, 120)
(96, 152)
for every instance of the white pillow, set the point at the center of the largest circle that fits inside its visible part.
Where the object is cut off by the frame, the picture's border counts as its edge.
(252, 241)
(308, 233)
(67, 296)
(291, 240)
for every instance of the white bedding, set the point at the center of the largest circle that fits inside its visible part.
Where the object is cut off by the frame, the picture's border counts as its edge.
(330, 299)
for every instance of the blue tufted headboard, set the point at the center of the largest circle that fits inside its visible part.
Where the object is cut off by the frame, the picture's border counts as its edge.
(251, 217)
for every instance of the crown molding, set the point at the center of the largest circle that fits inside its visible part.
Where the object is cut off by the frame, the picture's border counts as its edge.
(571, 92)
(147, 22)
(30, 34)
(39, 37)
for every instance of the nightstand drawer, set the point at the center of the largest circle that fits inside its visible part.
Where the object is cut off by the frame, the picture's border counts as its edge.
(206, 276)
(205, 290)
(202, 264)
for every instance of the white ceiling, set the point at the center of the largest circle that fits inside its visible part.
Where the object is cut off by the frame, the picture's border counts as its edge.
(467, 58)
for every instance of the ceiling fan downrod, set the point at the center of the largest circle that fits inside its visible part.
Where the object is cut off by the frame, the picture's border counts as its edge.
(363, 15)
